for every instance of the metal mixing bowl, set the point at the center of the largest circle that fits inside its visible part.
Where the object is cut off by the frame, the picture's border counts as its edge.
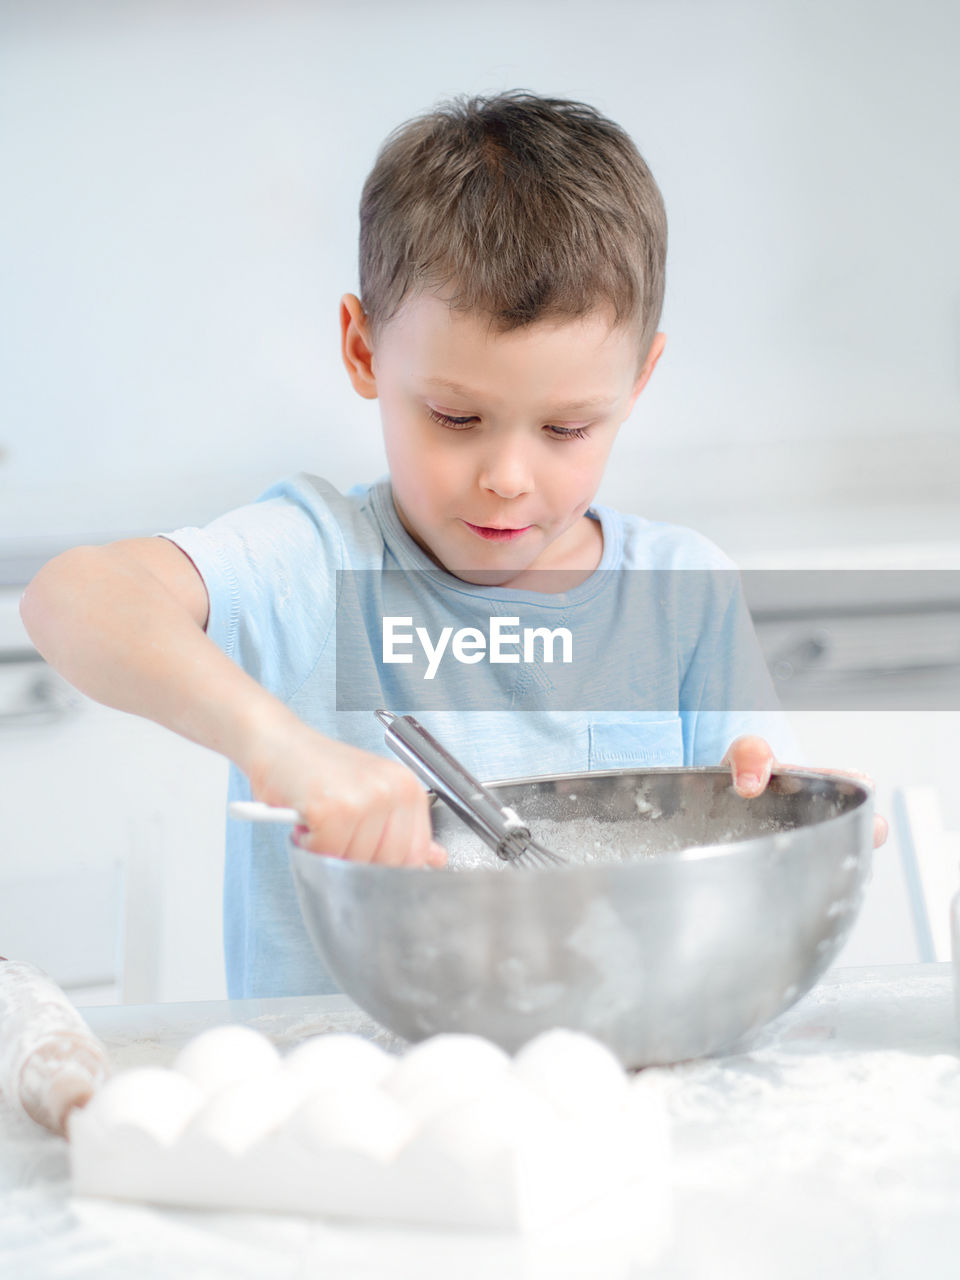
(728, 914)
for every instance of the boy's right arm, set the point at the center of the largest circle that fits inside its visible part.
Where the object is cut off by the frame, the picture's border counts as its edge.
(125, 623)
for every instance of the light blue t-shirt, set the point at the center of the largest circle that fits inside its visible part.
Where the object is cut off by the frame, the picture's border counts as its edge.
(664, 667)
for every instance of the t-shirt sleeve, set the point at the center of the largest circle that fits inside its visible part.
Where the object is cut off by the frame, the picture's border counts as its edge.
(726, 690)
(270, 570)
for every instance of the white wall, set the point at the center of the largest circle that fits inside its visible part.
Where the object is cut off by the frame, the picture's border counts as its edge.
(179, 222)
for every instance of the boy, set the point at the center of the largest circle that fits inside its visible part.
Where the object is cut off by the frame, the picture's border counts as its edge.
(511, 271)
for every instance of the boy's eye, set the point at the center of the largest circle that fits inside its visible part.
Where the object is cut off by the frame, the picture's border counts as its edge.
(558, 433)
(567, 433)
(446, 421)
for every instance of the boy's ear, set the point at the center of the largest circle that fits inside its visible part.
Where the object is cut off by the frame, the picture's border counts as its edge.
(653, 355)
(355, 346)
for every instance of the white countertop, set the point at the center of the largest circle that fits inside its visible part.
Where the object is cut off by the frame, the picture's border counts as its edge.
(829, 1149)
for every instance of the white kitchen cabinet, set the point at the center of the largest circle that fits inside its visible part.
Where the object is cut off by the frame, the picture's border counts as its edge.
(864, 648)
(112, 863)
(897, 749)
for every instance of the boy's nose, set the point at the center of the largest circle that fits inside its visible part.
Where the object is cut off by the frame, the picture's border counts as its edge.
(506, 472)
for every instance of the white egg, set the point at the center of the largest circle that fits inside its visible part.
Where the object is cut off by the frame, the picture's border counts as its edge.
(244, 1112)
(576, 1073)
(359, 1118)
(333, 1059)
(444, 1071)
(224, 1055)
(507, 1117)
(152, 1099)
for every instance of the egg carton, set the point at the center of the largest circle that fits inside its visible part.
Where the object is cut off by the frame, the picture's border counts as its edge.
(454, 1133)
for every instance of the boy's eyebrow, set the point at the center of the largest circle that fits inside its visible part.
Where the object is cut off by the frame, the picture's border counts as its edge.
(596, 402)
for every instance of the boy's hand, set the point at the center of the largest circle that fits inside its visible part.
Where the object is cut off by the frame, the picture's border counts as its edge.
(751, 760)
(355, 805)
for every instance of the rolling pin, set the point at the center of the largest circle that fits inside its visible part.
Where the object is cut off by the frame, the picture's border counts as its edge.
(50, 1060)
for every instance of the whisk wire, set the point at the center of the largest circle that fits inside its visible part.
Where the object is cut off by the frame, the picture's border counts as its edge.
(497, 826)
(519, 847)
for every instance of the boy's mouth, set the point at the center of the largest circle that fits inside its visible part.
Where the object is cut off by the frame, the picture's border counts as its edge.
(496, 535)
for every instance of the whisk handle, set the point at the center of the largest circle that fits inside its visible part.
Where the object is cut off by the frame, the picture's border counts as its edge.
(434, 765)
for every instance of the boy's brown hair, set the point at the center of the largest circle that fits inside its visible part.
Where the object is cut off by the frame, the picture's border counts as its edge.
(526, 208)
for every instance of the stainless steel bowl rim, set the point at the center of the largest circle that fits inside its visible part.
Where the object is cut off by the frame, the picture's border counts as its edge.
(696, 853)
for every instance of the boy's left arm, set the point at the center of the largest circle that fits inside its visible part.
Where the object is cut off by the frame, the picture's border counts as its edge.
(751, 760)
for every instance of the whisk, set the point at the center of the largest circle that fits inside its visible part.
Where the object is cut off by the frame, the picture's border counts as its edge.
(498, 826)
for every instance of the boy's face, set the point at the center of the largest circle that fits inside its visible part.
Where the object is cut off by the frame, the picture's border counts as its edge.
(502, 490)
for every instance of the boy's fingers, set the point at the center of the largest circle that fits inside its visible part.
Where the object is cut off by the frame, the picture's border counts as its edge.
(396, 836)
(396, 839)
(425, 852)
(437, 855)
(881, 829)
(409, 832)
(389, 836)
(418, 853)
(380, 840)
(330, 832)
(750, 759)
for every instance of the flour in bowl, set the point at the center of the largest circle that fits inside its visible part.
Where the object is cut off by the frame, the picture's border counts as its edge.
(577, 840)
